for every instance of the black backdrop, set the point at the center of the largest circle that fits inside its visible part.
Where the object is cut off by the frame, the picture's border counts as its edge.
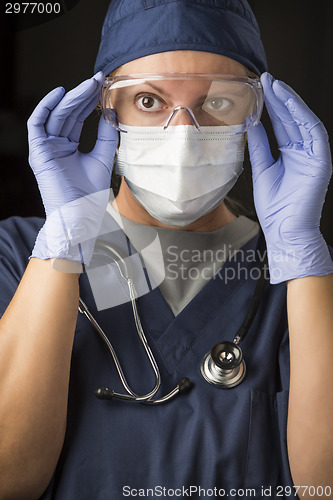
(41, 51)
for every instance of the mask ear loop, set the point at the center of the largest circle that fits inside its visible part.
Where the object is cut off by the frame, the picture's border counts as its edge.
(110, 117)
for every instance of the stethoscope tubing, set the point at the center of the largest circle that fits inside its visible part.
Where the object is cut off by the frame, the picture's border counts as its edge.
(209, 368)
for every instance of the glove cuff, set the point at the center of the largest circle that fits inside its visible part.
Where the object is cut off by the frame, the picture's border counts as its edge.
(68, 234)
(53, 242)
(299, 261)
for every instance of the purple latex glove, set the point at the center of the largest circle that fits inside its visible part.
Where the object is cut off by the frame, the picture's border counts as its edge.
(289, 193)
(74, 186)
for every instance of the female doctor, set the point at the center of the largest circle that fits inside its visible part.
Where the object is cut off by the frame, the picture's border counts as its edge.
(182, 134)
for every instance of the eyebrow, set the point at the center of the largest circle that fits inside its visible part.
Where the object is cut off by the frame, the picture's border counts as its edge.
(168, 95)
(161, 91)
(198, 99)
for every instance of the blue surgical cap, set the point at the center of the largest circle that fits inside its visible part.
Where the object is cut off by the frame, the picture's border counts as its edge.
(137, 28)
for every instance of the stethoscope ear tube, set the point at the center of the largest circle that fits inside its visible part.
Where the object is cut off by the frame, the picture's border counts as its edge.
(184, 385)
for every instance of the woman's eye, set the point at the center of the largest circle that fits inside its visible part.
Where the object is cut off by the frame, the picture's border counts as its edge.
(148, 103)
(216, 104)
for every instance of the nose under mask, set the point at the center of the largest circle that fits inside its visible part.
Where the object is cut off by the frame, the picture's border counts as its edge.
(180, 174)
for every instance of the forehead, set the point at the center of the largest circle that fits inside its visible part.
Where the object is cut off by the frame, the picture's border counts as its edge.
(184, 61)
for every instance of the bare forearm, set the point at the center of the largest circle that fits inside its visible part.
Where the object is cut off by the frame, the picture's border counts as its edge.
(310, 421)
(36, 337)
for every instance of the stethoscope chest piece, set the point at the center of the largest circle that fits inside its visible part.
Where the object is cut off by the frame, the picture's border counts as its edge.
(224, 365)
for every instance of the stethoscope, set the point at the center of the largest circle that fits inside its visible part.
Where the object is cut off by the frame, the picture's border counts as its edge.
(223, 366)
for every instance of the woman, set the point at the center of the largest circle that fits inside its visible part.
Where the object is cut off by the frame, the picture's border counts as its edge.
(209, 441)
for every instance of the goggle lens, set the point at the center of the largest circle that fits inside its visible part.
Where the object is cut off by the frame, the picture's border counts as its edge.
(150, 100)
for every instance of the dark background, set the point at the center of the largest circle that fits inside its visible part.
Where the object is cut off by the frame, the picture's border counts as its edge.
(39, 52)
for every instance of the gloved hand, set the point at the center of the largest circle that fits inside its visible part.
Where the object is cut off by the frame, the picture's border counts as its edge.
(74, 186)
(289, 193)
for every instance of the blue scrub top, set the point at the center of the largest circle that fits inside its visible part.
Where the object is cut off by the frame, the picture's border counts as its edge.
(226, 442)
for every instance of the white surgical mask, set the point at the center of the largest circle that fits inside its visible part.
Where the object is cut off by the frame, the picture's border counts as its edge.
(180, 174)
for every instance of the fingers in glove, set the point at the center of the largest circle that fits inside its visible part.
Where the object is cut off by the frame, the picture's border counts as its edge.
(106, 144)
(71, 106)
(286, 130)
(259, 149)
(72, 127)
(36, 122)
(309, 124)
(279, 130)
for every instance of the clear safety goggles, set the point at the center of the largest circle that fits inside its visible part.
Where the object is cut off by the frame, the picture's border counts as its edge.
(163, 99)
